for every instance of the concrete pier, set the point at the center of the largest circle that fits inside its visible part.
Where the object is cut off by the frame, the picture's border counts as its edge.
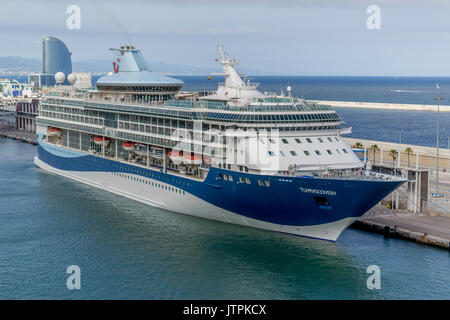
(434, 231)
(389, 106)
(23, 136)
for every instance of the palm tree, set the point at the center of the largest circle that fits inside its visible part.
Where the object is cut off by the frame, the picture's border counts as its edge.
(374, 148)
(393, 153)
(408, 150)
(358, 145)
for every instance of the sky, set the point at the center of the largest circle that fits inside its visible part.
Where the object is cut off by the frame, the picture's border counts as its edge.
(285, 37)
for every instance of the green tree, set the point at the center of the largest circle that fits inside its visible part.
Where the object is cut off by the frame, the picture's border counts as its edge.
(393, 154)
(374, 148)
(408, 151)
(358, 145)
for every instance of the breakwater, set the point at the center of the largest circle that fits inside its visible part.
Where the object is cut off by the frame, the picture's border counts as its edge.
(388, 106)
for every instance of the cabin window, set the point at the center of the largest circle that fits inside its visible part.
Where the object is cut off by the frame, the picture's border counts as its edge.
(320, 140)
(271, 153)
(261, 183)
(241, 179)
(267, 183)
(329, 152)
(306, 152)
(298, 140)
(329, 139)
(309, 140)
(284, 141)
(282, 153)
(247, 181)
(345, 151)
(317, 152)
(293, 153)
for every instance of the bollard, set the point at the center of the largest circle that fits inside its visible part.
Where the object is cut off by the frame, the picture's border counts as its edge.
(387, 231)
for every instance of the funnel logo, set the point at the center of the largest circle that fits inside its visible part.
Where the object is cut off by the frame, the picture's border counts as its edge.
(116, 65)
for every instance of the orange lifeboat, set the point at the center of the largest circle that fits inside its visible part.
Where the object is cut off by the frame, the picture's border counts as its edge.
(101, 140)
(128, 146)
(192, 158)
(54, 132)
(176, 156)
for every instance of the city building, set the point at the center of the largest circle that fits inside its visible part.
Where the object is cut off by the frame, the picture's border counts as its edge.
(13, 88)
(56, 57)
(26, 113)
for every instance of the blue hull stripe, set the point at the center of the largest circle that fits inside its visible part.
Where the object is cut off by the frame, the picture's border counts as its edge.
(287, 201)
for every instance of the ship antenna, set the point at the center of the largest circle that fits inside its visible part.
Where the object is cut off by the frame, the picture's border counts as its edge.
(220, 49)
(117, 22)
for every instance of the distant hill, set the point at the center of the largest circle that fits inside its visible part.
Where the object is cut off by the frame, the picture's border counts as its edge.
(19, 65)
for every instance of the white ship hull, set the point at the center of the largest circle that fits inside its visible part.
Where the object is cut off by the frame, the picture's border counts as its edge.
(188, 204)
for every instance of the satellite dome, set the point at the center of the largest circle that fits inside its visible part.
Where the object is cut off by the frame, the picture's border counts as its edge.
(72, 78)
(60, 77)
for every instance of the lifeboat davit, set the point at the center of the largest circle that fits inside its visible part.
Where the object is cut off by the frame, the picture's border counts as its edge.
(54, 132)
(176, 156)
(128, 146)
(140, 149)
(102, 140)
(156, 152)
(207, 160)
(192, 158)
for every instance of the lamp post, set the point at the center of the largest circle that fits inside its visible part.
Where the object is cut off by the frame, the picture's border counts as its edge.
(437, 145)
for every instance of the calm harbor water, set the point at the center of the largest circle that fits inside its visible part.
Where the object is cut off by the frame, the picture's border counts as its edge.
(127, 250)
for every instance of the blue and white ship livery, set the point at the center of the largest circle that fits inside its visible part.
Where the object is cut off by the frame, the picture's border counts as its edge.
(235, 155)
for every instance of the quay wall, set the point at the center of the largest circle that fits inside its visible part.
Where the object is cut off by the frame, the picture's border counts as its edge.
(427, 155)
(389, 106)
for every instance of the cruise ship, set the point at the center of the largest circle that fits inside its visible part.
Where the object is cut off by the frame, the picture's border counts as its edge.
(236, 155)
